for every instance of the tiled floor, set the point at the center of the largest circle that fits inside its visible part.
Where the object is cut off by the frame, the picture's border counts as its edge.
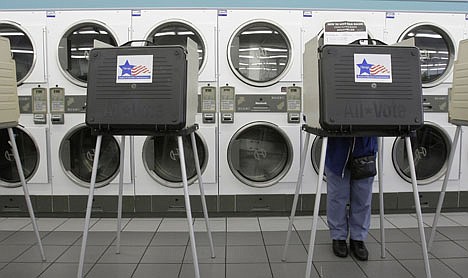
(245, 247)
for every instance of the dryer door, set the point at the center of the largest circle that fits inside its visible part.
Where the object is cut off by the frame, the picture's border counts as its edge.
(437, 52)
(74, 47)
(431, 149)
(260, 154)
(161, 159)
(176, 33)
(77, 151)
(22, 49)
(259, 53)
(28, 152)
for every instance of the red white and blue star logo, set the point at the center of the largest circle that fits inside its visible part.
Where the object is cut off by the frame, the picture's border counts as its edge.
(134, 69)
(373, 68)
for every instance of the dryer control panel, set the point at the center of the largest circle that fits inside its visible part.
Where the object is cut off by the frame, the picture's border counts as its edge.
(227, 104)
(208, 104)
(294, 104)
(57, 105)
(39, 105)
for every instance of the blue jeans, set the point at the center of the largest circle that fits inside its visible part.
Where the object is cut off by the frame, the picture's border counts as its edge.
(356, 193)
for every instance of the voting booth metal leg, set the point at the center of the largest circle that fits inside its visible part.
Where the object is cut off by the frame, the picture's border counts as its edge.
(119, 207)
(296, 196)
(409, 152)
(381, 199)
(202, 193)
(26, 191)
(318, 194)
(187, 205)
(444, 187)
(89, 206)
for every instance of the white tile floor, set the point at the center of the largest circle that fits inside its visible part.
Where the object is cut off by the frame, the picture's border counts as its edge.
(245, 247)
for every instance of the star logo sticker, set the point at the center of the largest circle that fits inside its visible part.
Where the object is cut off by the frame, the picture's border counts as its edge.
(364, 67)
(127, 68)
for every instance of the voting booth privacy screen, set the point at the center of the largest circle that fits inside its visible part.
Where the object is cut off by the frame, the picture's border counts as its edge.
(362, 88)
(458, 96)
(9, 109)
(142, 90)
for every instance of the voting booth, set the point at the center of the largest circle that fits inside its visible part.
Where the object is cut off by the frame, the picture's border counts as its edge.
(144, 90)
(359, 87)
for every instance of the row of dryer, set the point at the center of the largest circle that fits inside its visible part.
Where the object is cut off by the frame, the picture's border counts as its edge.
(250, 77)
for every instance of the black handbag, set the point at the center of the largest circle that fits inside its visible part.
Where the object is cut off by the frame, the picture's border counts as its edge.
(362, 167)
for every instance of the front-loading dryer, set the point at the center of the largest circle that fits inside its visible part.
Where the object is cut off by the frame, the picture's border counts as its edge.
(260, 51)
(73, 151)
(437, 36)
(157, 168)
(431, 146)
(260, 54)
(26, 31)
(259, 154)
(71, 35)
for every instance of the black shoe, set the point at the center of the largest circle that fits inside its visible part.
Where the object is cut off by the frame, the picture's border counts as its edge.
(340, 248)
(359, 250)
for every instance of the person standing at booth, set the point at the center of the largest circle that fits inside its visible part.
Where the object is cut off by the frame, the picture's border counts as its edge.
(350, 169)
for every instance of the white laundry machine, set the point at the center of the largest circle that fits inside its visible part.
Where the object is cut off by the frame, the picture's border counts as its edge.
(431, 150)
(260, 51)
(437, 36)
(72, 152)
(71, 36)
(157, 168)
(26, 32)
(260, 68)
(173, 27)
(259, 155)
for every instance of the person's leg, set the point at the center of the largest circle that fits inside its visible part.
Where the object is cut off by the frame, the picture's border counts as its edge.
(360, 208)
(338, 190)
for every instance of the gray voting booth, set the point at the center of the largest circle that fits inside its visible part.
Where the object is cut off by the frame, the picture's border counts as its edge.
(9, 116)
(144, 90)
(365, 88)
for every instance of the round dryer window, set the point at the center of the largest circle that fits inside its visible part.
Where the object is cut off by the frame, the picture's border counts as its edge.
(260, 154)
(28, 152)
(259, 53)
(77, 151)
(315, 153)
(431, 149)
(161, 159)
(21, 48)
(176, 33)
(74, 47)
(437, 52)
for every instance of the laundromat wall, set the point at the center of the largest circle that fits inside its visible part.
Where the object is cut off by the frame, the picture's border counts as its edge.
(249, 138)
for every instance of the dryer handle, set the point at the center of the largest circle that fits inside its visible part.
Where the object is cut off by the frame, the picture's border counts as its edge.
(65, 155)
(369, 42)
(143, 42)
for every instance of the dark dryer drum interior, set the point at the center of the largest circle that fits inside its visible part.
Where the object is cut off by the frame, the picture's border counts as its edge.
(162, 161)
(74, 47)
(431, 148)
(260, 154)
(28, 151)
(77, 151)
